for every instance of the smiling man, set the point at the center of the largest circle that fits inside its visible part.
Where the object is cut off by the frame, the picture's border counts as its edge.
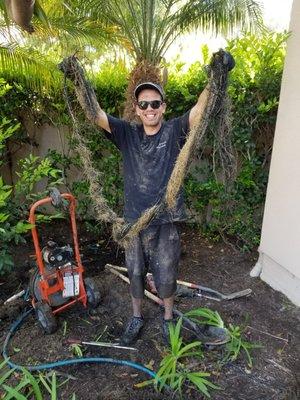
(150, 150)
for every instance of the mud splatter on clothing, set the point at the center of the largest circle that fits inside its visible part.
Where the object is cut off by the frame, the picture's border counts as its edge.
(148, 161)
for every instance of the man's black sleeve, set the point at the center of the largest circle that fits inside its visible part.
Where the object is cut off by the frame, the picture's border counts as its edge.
(182, 128)
(118, 131)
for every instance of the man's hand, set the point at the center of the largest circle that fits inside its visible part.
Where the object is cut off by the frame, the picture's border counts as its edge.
(221, 63)
(228, 60)
(71, 69)
(222, 59)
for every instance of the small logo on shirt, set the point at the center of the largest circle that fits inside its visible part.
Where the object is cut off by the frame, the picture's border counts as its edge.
(163, 144)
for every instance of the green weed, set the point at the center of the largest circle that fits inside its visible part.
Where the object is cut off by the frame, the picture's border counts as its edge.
(205, 316)
(76, 349)
(238, 345)
(25, 385)
(175, 371)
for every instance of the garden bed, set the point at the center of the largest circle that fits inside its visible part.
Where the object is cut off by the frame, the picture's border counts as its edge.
(267, 316)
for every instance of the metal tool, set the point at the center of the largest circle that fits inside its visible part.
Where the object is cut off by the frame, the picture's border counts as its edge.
(100, 344)
(201, 291)
(215, 295)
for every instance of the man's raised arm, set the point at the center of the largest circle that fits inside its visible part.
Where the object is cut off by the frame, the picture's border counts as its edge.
(198, 109)
(214, 68)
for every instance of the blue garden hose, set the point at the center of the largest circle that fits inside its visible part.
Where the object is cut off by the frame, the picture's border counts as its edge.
(63, 363)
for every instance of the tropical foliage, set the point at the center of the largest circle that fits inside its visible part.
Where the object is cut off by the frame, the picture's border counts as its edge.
(25, 385)
(148, 27)
(143, 28)
(177, 372)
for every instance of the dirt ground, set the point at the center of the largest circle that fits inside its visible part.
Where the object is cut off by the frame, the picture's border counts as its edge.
(268, 317)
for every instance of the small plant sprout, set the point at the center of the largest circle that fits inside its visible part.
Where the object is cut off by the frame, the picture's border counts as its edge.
(51, 383)
(76, 349)
(65, 326)
(101, 334)
(237, 344)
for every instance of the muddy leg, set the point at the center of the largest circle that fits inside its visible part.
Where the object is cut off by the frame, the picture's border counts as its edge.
(136, 306)
(168, 304)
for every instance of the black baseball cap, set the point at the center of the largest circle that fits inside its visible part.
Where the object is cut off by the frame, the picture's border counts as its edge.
(149, 85)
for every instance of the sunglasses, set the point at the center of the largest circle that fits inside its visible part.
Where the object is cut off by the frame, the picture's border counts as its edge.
(155, 104)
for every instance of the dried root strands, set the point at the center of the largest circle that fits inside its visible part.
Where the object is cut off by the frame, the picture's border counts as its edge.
(87, 98)
(214, 105)
(84, 91)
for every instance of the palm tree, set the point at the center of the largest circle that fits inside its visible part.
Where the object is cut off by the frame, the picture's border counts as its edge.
(149, 27)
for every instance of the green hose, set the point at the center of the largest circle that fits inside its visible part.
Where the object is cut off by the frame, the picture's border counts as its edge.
(63, 363)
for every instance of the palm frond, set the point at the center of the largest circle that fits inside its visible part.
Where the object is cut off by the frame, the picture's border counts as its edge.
(223, 17)
(151, 26)
(24, 65)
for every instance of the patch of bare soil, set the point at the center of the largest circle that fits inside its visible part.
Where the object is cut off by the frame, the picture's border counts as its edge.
(268, 316)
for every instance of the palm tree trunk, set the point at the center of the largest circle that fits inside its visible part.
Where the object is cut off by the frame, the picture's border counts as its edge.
(143, 71)
(21, 13)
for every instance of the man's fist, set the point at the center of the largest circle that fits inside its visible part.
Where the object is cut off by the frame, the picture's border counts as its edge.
(71, 68)
(228, 60)
(223, 57)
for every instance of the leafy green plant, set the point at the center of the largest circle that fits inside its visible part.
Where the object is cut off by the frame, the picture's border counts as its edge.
(205, 316)
(238, 345)
(51, 384)
(14, 206)
(24, 385)
(16, 199)
(175, 372)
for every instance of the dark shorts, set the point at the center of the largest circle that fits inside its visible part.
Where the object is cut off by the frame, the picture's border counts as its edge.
(156, 249)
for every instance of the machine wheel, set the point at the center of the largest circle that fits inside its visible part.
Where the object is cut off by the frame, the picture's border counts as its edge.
(45, 317)
(33, 285)
(92, 292)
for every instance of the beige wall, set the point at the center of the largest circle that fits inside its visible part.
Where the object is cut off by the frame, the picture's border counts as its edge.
(280, 241)
(47, 137)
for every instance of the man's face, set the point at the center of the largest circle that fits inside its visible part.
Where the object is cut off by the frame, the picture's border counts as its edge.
(150, 117)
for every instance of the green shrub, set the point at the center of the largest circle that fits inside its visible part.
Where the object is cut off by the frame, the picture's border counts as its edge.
(15, 201)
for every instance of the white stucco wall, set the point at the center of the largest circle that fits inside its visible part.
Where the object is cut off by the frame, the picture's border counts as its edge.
(280, 240)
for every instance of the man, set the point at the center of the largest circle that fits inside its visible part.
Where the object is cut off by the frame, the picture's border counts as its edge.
(149, 153)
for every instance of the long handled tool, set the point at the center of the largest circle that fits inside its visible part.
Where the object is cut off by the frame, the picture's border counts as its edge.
(100, 344)
(201, 290)
(215, 294)
(187, 323)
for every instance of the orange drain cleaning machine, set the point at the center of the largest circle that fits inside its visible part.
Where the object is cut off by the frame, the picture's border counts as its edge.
(58, 281)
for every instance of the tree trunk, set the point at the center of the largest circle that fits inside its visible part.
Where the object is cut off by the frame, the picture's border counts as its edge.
(21, 12)
(142, 72)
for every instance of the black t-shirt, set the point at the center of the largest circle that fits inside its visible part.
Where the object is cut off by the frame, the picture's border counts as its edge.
(148, 161)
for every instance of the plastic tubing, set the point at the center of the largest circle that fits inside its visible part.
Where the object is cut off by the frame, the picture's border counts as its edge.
(63, 363)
